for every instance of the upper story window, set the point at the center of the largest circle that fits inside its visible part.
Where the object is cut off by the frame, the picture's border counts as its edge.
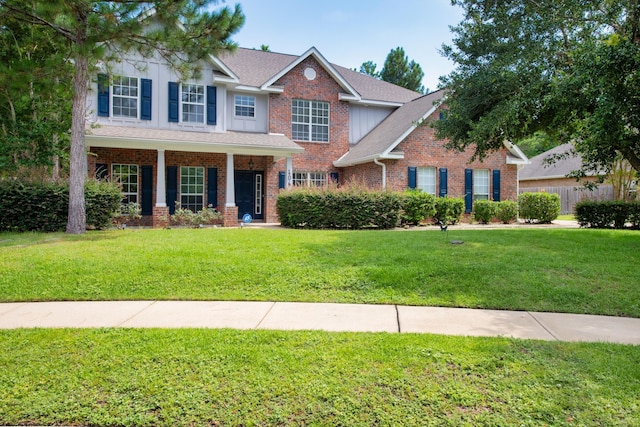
(481, 184)
(192, 103)
(310, 120)
(427, 180)
(125, 97)
(127, 177)
(245, 106)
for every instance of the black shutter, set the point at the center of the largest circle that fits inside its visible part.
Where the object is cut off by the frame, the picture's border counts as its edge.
(443, 179)
(282, 180)
(102, 170)
(212, 187)
(468, 190)
(147, 190)
(103, 95)
(496, 185)
(211, 105)
(413, 178)
(145, 99)
(174, 116)
(172, 188)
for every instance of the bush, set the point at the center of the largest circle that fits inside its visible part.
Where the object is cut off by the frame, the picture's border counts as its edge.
(338, 208)
(417, 206)
(449, 210)
(608, 214)
(31, 206)
(484, 211)
(507, 211)
(187, 217)
(539, 207)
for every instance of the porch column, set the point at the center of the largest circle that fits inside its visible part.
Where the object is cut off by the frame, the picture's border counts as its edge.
(161, 190)
(289, 172)
(231, 190)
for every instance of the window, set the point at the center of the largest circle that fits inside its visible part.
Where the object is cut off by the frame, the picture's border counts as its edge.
(427, 180)
(309, 179)
(127, 176)
(245, 106)
(192, 103)
(125, 97)
(480, 184)
(192, 188)
(310, 120)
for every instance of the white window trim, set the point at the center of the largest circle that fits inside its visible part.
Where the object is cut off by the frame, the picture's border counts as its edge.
(309, 179)
(422, 186)
(112, 95)
(241, 105)
(476, 194)
(310, 123)
(186, 194)
(203, 104)
(116, 177)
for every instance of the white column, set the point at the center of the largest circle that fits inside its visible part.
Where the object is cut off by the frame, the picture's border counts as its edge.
(231, 189)
(289, 172)
(161, 190)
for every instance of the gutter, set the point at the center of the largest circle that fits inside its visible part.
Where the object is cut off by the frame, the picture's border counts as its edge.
(384, 172)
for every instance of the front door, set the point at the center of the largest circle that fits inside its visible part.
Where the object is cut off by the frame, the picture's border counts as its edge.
(250, 193)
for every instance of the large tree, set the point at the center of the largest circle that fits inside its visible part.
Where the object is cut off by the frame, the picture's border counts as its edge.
(397, 69)
(570, 68)
(183, 33)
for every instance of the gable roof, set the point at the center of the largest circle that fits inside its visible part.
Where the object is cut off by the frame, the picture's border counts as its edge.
(384, 138)
(540, 169)
(259, 69)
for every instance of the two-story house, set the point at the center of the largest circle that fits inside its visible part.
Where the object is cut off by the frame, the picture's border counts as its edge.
(257, 123)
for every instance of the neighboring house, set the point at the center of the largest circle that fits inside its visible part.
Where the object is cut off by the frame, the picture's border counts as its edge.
(544, 174)
(259, 122)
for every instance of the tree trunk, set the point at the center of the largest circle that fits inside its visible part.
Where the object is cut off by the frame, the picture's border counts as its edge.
(77, 220)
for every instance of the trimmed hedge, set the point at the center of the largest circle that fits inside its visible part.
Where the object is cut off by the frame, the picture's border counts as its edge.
(339, 209)
(539, 207)
(608, 214)
(507, 211)
(484, 210)
(26, 206)
(417, 206)
(449, 210)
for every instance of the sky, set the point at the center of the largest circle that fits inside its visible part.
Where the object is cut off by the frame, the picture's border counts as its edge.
(350, 32)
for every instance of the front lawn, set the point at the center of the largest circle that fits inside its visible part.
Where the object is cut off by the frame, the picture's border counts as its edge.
(563, 270)
(139, 377)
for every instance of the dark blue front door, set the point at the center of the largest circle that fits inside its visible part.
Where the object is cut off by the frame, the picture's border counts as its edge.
(249, 187)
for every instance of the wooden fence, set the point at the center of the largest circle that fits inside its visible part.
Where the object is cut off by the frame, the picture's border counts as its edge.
(570, 195)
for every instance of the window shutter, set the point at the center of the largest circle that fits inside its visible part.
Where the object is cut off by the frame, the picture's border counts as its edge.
(282, 180)
(173, 103)
(212, 187)
(211, 105)
(172, 188)
(147, 190)
(496, 185)
(412, 174)
(443, 182)
(145, 99)
(468, 190)
(103, 95)
(102, 170)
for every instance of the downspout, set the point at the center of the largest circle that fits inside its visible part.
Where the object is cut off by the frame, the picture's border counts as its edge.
(384, 172)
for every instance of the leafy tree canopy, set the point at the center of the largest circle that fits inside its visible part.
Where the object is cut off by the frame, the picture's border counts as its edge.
(570, 68)
(398, 70)
(182, 32)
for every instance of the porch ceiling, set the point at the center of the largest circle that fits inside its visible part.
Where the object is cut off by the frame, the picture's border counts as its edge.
(260, 144)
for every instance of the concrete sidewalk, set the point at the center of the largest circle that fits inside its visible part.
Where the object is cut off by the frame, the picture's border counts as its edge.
(316, 316)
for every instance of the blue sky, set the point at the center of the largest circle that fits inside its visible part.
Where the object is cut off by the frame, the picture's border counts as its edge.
(350, 32)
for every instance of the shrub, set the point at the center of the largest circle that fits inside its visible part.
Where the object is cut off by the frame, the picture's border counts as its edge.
(351, 208)
(539, 207)
(187, 217)
(507, 211)
(608, 214)
(33, 206)
(417, 206)
(484, 211)
(449, 210)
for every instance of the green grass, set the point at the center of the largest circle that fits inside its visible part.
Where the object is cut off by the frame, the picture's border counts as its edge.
(127, 377)
(567, 217)
(563, 270)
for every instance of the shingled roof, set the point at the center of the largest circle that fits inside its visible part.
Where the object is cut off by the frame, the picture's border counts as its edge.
(539, 168)
(256, 67)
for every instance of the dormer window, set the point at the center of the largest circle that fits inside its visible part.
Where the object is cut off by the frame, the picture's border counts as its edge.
(125, 97)
(245, 106)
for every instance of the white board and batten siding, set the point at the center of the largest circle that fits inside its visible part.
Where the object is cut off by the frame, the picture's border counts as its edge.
(362, 119)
